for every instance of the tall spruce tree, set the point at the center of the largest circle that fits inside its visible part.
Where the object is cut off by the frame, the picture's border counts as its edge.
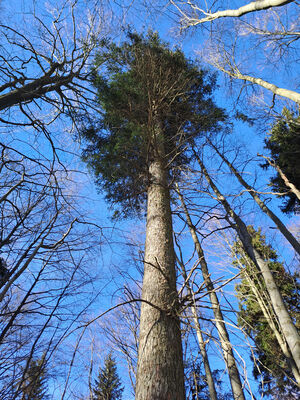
(154, 102)
(108, 385)
(256, 316)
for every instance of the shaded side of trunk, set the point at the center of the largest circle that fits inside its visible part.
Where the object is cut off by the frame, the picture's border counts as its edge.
(287, 326)
(160, 374)
(282, 228)
(234, 376)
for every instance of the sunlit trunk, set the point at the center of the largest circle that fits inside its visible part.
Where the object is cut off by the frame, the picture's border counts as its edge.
(287, 326)
(160, 373)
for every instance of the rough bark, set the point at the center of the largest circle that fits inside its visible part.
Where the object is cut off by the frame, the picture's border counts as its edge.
(286, 233)
(160, 373)
(234, 376)
(288, 329)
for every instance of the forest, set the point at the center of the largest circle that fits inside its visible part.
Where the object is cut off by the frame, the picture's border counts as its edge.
(150, 200)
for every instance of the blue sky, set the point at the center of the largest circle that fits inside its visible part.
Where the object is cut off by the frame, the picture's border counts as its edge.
(111, 262)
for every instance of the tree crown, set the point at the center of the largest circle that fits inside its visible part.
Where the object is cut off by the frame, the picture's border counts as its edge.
(108, 385)
(284, 145)
(146, 87)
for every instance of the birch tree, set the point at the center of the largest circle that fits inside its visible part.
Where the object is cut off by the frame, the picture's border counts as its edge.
(286, 322)
(238, 36)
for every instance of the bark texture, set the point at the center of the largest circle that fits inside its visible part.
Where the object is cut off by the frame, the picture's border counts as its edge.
(160, 373)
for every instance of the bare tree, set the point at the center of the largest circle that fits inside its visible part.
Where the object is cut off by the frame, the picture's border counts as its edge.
(286, 233)
(234, 376)
(45, 245)
(237, 37)
(44, 70)
(286, 323)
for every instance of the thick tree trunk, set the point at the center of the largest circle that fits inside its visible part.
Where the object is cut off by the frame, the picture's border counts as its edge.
(287, 326)
(160, 373)
(234, 376)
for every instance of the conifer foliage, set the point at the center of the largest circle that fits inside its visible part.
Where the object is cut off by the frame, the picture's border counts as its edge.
(34, 385)
(108, 385)
(144, 82)
(256, 313)
(284, 145)
(154, 104)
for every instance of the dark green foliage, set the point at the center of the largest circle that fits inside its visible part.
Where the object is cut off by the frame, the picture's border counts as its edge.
(197, 387)
(146, 87)
(270, 363)
(108, 385)
(3, 271)
(34, 385)
(284, 145)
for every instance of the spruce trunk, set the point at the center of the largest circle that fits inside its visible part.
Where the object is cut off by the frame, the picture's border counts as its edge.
(160, 373)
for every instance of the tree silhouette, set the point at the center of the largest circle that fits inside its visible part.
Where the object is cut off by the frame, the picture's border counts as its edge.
(108, 385)
(34, 385)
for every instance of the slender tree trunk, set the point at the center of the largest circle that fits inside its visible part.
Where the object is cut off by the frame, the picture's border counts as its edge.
(287, 183)
(265, 307)
(160, 374)
(288, 329)
(286, 233)
(234, 376)
(202, 347)
(208, 374)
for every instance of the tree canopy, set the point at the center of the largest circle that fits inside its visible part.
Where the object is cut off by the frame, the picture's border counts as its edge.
(108, 385)
(145, 82)
(284, 145)
(270, 362)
